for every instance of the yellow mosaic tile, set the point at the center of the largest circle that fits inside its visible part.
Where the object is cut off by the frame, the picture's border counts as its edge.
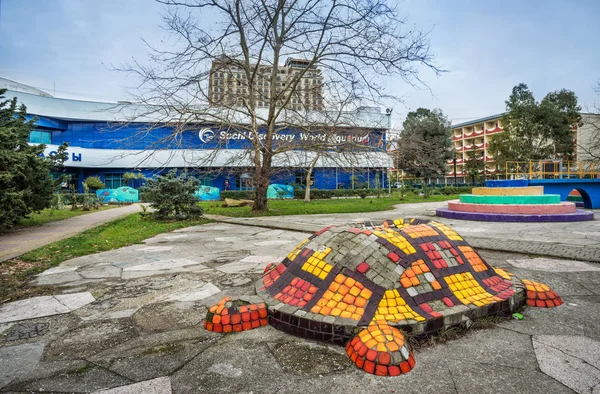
(316, 266)
(468, 291)
(504, 274)
(392, 307)
(447, 231)
(396, 239)
(292, 255)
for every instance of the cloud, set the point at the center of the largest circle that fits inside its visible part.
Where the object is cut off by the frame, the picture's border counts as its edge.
(488, 47)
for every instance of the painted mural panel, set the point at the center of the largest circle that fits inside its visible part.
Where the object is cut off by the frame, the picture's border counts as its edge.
(122, 194)
(280, 191)
(208, 193)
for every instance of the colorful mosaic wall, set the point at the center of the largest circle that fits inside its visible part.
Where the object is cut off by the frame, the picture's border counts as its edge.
(365, 285)
(513, 201)
(121, 194)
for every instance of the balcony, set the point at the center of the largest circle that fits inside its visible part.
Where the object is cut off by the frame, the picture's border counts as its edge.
(474, 134)
(489, 158)
(457, 137)
(493, 131)
(468, 147)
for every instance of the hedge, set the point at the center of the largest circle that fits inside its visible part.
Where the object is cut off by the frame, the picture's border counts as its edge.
(319, 194)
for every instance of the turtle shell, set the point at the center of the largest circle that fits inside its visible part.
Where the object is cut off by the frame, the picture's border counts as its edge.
(416, 274)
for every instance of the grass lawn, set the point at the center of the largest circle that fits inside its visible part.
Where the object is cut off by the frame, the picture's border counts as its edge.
(14, 274)
(47, 216)
(299, 207)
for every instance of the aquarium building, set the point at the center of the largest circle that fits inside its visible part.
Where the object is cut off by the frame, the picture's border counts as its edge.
(110, 139)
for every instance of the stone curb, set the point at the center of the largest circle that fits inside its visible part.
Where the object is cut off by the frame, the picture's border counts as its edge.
(550, 249)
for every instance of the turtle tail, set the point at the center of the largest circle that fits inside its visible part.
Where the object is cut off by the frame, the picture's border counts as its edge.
(541, 296)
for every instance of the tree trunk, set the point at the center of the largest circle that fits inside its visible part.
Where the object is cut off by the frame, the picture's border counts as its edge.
(307, 190)
(261, 183)
(308, 176)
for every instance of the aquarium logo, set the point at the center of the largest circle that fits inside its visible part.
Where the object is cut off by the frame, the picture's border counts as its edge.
(206, 135)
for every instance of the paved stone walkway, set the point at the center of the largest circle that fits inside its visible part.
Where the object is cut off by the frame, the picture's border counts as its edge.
(130, 321)
(30, 238)
(576, 240)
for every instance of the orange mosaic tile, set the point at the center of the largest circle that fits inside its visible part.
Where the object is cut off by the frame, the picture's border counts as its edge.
(345, 297)
(381, 350)
(540, 295)
(419, 231)
(473, 258)
(232, 316)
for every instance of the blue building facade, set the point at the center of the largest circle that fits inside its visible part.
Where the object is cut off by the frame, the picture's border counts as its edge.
(104, 142)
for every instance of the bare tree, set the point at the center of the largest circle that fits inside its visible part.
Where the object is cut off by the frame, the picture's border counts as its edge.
(357, 45)
(589, 138)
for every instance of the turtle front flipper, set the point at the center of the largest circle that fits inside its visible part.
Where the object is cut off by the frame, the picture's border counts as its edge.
(381, 349)
(235, 315)
(540, 295)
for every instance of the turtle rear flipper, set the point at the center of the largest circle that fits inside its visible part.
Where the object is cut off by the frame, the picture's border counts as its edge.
(235, 315)
(381, 349)
(540, 295)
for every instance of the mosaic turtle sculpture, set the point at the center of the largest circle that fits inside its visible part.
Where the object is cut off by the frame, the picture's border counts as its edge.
(360, 285)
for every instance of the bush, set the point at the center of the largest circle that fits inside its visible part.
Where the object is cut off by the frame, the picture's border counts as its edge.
(448, 190)
(26, 184)
(238, 194)
(94, 183)
(172, 196)
(80, 198)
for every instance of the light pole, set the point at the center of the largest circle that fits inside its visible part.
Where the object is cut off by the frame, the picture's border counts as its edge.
(454, 161)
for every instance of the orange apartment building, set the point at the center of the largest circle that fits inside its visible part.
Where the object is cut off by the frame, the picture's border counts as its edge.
(474, 136)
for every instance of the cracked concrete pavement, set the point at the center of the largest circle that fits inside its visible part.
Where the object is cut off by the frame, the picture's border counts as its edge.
(130, 321)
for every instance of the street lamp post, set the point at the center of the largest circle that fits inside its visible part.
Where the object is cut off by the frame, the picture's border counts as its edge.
(454, 161)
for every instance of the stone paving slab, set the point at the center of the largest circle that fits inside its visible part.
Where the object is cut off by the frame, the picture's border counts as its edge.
(572, 360)
(149, 329)
(43, 306)
(154, 386)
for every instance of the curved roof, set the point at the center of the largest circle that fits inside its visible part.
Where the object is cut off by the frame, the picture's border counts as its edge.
(20, 87)
(67, 109)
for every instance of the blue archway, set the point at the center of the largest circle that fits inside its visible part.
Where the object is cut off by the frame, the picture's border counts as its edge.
(588, 188)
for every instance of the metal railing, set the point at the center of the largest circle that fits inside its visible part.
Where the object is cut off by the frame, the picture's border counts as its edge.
(551, 169)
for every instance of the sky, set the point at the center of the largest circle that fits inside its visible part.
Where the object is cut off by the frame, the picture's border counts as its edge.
(70, 49)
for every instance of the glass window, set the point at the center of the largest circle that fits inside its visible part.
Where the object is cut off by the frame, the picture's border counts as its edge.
(205, 181)
(40, 137)
(244, 182)
(300, 178)
(113, 181)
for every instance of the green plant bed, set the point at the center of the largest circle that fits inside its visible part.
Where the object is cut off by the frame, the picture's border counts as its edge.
(132, 229)
(47, 216)
(299, 207)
